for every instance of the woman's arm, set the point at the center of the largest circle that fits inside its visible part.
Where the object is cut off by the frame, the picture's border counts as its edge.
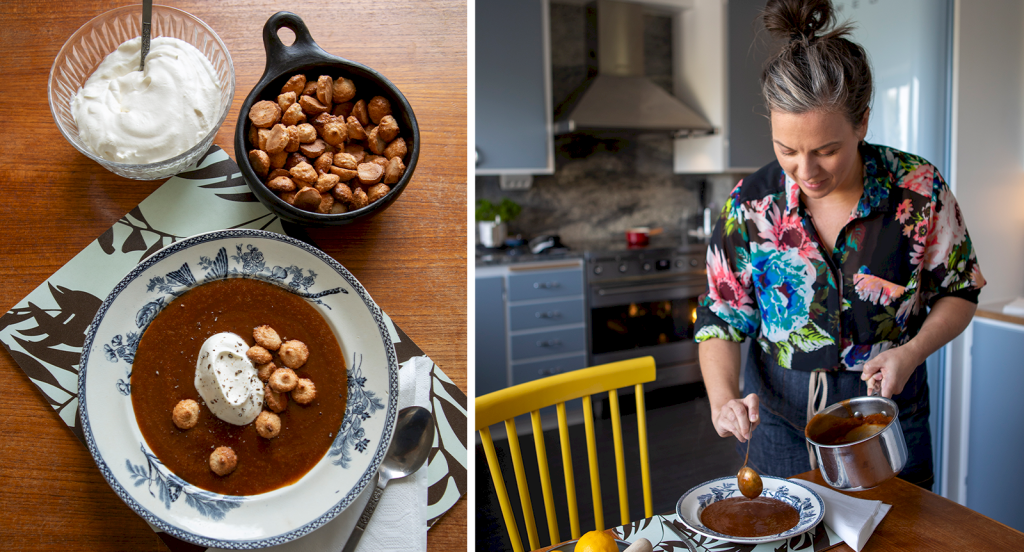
(720, 367)
(948, 317)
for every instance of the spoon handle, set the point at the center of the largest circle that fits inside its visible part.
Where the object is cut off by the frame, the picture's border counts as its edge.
(147, 18)
(364, 519)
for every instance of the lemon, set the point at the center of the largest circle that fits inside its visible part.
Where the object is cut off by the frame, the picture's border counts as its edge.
(596, 541)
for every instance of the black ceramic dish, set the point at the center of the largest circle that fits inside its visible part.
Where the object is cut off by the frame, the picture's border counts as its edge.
(305, 56)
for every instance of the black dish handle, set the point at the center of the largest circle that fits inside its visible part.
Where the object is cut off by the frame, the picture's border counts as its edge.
(304, 50)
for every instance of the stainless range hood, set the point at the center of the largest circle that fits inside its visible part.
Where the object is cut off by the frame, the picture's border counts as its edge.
(617, 96)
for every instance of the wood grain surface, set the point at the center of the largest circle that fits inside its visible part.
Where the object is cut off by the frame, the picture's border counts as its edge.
(922, 521)
(412, 258)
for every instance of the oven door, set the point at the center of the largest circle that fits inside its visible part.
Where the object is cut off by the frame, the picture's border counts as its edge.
(639, 317)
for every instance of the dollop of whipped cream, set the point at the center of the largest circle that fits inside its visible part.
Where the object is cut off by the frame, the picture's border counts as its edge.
(227, 380)
(130, 116)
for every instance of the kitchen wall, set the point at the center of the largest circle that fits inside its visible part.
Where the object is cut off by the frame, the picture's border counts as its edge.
(601, 187)
(987, 176)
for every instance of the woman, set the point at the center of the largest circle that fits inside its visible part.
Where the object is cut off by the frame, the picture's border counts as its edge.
(847, 263)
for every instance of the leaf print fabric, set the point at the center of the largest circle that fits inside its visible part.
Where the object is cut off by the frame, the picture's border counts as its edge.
(817, 307)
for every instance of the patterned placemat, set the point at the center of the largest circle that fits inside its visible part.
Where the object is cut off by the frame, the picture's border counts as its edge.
(668, 534)
(44, 333)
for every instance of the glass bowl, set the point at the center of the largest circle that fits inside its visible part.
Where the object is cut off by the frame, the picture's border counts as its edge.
(90, 44)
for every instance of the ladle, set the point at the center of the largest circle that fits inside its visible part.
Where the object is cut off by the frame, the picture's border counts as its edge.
(747, 479)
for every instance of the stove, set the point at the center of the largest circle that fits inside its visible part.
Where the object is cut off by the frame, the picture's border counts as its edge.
(643, 301)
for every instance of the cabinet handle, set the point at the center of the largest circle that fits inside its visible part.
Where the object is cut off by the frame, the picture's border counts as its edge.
(550, 343)
(546, 285)
(549, 315)
(550, 371)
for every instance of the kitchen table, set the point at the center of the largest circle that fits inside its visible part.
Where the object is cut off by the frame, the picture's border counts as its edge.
(56, 201)
(921, 521)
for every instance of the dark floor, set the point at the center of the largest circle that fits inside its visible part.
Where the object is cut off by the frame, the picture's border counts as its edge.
(684, 451)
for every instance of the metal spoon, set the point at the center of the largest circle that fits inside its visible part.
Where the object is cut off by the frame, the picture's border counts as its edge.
(414, 435)
(747, 479)
(147, 17)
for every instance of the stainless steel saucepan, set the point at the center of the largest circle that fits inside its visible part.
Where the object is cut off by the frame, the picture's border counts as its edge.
(858, 442)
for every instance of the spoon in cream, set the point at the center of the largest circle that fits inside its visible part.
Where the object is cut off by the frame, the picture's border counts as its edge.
(147, 18)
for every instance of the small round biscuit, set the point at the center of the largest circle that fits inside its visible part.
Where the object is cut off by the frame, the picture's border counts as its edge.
(283, 380)
(265, 370)
(377, 108)
(259, 355)
(274, 400)
(266, 336)
(268, 425)
(377, 191)
(293, 353)
(265, 114)
(304, 391)
(186, 414)
(296, 84)
(223, 461)
(359, 199)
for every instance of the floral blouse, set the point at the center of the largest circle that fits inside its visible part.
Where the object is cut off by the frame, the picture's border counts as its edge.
(813, 307)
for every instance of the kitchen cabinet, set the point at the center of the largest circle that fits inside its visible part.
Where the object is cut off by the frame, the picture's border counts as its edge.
(530, 322)
(513, 88)
(994, 448)
(491, 364)
(718, 66)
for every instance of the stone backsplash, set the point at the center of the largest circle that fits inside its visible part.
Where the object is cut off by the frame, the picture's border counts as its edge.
(619, 184)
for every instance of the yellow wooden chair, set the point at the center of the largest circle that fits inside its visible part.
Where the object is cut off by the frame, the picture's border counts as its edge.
(506, 404)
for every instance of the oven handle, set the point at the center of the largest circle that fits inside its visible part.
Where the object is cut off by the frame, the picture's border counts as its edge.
(603, 292)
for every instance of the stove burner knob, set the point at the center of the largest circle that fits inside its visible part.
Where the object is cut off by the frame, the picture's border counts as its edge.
(680, 263)
(623, 268)
(694, 263)
(598, 269)
(647, 267)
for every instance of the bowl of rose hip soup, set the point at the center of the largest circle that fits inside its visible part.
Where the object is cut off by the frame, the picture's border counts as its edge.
(233, 376)
(321, 140)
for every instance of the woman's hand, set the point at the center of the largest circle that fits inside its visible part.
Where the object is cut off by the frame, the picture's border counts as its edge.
(890, 370)
(738, 417)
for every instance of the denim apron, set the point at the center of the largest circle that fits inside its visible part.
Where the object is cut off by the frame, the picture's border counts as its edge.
(778, 446)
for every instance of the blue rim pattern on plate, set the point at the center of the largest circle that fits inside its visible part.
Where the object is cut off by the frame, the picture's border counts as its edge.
(806, 501)
(212, 505)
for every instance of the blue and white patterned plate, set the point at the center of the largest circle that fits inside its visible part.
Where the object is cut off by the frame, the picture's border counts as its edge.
(211, 519)
(806, 502)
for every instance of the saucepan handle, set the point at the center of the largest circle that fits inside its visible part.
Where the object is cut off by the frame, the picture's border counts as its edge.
(281, 57)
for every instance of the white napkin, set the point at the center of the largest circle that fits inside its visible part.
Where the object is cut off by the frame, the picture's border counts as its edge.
(400, 521)
(853, 519)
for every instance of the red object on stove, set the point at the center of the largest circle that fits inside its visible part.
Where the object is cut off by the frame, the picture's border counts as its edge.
(637, 237)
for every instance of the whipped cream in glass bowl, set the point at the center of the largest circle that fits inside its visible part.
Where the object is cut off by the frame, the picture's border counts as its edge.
(83, 55)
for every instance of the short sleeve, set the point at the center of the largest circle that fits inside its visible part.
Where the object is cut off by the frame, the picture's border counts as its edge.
(949, 262)
(728, 309)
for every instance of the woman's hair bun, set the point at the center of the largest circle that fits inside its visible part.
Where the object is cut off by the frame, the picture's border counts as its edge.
(794, 19)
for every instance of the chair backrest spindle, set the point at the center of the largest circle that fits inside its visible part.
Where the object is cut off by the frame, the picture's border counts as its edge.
(521, 483)
(645, 466)
(570, 480)
(545, 476)
(499, 488)
(620, 456)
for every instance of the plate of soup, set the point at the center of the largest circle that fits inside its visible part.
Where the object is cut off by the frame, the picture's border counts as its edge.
(717, 509)
(238, 389)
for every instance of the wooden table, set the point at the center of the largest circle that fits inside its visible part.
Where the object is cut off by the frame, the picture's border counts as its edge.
(924, 521)
(412, 258)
